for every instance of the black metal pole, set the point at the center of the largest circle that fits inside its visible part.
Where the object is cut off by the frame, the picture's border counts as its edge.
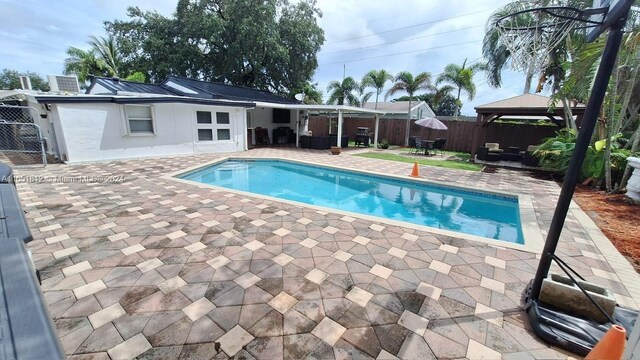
(592, 110)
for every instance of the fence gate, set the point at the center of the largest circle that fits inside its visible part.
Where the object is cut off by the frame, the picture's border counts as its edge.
(21, 142)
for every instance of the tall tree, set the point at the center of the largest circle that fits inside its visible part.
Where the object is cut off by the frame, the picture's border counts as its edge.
(376, 79)
(363, 94)
(461, 78)
(343, 92)
(439, 99)
(10, 80)
(107, 51)
(406, 82)
(269, 45)
(82, 63)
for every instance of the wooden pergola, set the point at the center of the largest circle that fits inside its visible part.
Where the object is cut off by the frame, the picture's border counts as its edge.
(526, 106)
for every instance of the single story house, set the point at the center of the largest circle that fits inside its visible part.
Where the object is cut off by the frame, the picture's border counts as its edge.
(399, 109)
(118, 119)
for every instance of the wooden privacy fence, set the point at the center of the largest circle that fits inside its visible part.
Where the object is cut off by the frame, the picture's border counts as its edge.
(459, 134)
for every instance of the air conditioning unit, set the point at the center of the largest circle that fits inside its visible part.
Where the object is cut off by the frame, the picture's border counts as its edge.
(64, 83)
(25, 82)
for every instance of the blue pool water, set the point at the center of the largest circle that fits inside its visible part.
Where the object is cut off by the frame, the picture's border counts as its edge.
(486, 215)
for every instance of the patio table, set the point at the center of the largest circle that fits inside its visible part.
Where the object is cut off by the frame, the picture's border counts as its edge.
(428, 145)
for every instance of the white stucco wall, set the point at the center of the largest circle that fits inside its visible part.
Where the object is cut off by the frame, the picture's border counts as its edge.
(96, 132)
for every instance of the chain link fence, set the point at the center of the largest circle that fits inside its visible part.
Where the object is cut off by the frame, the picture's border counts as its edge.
(21, 142)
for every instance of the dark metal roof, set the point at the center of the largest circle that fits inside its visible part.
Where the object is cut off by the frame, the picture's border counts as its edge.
(114, 85)
(68, 99)
(213, 90)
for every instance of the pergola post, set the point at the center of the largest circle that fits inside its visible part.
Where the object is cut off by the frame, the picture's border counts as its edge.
(375, 132)
(297, 128)
(339, 140)
(305, 126)
(476, 134)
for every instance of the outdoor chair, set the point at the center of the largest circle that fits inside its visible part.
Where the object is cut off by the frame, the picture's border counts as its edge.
(528, 159)
(493, 147)
(438, 145)
(417, 146)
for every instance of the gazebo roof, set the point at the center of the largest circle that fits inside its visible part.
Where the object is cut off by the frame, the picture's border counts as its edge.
(523, 103)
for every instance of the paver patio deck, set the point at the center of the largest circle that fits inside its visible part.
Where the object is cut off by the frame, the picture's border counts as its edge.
(155, 268)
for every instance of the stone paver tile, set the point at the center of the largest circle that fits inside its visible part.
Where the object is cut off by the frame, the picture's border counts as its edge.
(172, 284)
(308, 243)
(281, 213)
(118, 236)
(476, 350)
(283, 302)
(330, 230)
(384, 355)
(361, 240)
(376, 227)
(499, 263)
(449, 248)
(381, 271)
(491, 284)
(131, 348)
(146, 216)
(328, 331)
(348, 219)
(149, 265)
(160, 224)
(179, 208)
(439, 266)
(304, 221)
(282, 259)
(77, 268)
(196, 246)
(238, 214)
(66, 252)
(282, 232)
(107, 226)
(210, 223)
(254, 245)
(193, 215)
(342, 255)
(106, 315)
(394, 251)
(132, 249)
(258, 222)
(410, 237)
(50, 228)
(429, 290)
(218, 261)
(359, 296)
(413, 322)
(489, 314)
(247, 280)
(198, 309)
(316, 276)
(176, 234)
(88, 289)
(57, 238)
(234, 340)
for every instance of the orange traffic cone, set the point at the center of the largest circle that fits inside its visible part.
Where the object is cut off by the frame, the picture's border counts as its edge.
(611, 346)
(415, 172)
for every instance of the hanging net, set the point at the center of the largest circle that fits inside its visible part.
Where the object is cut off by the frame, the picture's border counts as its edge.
(531, 30)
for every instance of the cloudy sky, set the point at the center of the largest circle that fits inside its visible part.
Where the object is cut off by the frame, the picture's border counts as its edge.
(412, 35)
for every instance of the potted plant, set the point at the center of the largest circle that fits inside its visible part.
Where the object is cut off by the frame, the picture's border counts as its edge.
(384, 144)
(335, 150)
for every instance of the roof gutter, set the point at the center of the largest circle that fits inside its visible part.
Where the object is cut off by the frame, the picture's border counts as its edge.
(139, 100)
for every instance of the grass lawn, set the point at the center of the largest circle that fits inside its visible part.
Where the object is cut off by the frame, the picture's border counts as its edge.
(461, 165)
(462, 155)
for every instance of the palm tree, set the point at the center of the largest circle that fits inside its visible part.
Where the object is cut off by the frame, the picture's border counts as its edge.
(363, 96)
(406, 82)
(83, 64)
(108, 52)
(376, 79)
(341, 92)
(461, 78)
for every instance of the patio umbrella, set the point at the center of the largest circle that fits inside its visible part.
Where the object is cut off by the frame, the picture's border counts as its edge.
(431, 123)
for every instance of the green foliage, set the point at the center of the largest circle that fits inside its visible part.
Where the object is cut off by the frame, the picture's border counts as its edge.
(384, 144)
(137, 76)
(10, 80)
(460, 165)
(461, 79)
(440, 100)
(312, 95)
(376, 79)
(268, 45)
(555, 154)
(83, 63)
(343, 92)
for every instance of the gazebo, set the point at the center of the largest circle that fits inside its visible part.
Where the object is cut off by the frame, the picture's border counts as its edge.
(527, 106)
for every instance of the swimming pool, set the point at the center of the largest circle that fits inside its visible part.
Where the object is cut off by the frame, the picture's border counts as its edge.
(481, 214)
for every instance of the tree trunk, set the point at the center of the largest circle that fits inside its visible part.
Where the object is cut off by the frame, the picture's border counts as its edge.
(458, 104)
(570, 122)
(376, 106)
(527, 81)
(408, 127)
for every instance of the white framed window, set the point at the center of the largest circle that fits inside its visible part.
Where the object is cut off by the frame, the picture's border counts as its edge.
(140, 120)
(213, 126)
